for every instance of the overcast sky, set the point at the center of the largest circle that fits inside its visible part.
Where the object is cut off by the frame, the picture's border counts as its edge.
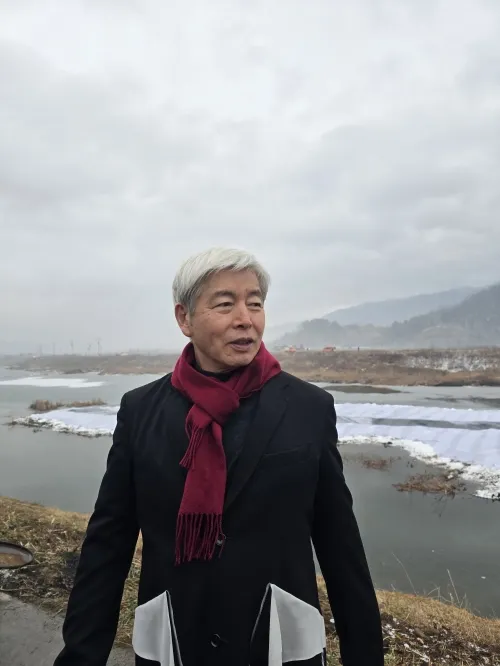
(354, 146)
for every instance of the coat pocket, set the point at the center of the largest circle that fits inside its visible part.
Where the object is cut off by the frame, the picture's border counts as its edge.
(154, 635)
(281, 459)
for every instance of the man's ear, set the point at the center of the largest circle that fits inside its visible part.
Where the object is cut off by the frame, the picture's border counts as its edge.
(183, 319)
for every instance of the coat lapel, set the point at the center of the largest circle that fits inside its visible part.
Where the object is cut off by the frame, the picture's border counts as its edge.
(270, 411)
(171, 441)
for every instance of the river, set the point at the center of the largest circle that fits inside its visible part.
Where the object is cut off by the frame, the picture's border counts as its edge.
(414, 542)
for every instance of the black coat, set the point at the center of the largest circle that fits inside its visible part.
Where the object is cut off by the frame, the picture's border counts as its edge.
(285, 487)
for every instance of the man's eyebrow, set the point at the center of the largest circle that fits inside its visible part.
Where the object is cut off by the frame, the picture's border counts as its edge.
(227, 293)
(223, 293)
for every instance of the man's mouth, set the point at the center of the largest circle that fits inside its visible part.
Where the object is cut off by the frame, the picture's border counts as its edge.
(242, 343)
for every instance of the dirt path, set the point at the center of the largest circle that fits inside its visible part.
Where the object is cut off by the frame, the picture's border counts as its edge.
(32, 637)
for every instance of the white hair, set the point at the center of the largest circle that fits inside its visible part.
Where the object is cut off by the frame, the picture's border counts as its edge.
(196, 270)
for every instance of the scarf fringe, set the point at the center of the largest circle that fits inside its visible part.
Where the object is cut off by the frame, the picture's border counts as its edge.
(196, 536)
(194, 444)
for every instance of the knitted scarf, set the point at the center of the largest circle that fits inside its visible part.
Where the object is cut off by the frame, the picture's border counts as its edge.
(199, 522)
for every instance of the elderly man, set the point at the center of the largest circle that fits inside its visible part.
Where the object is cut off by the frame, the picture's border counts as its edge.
(229, 468)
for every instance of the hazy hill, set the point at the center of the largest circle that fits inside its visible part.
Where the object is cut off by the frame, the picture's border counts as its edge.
(318, 333)
(473, 322)
(384, 313)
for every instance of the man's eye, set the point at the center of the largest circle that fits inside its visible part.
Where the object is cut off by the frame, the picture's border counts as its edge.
(226, 304)
(257, 304)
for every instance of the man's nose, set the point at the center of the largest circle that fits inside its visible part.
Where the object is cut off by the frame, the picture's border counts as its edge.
(242, 317)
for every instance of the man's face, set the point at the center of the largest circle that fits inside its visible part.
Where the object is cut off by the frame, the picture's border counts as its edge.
(227, 325)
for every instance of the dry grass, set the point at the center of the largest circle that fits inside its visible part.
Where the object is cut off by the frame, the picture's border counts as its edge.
(382, 464)
(371, 462)
(389, 367)
(105, 364)
(48, 406)
(440, 484)
(417, 630)
(420, 630)
(55, 538)
(367, 366)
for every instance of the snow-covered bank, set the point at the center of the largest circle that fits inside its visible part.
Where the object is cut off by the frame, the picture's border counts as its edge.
(471, 360)
(359, 411)
(52, 382)
(487, 478)
(88, 422)
(467, 441)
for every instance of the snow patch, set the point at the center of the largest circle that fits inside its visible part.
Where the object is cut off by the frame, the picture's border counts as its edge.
(487, 479)
(480, 447)
(453, 362)
(474, 453)
(88, 422)
(52, 382)
(358, 411)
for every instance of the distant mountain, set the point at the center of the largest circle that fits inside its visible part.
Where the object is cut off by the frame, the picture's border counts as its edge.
(473, 322)
(385, 313)
(318, 333)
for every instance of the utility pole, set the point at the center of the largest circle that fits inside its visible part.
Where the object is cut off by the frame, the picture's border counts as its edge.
(72, 345)
(98, 346)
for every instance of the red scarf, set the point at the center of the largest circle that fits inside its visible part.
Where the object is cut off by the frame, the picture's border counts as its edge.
(199, 523)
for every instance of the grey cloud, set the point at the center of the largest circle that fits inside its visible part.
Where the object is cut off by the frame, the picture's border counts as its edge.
(81, 138)
(358, 161)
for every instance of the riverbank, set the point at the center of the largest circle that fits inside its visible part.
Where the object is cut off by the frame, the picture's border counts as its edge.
(416, 629)
(426, 367)
(417, 367)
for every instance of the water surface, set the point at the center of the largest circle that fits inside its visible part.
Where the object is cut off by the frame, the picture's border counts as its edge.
(414, 542)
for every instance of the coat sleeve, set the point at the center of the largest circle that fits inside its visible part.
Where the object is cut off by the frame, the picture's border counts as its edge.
(341, 556)
(94, 604)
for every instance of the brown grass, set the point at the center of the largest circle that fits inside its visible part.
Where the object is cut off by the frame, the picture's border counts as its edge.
(421, 630)
(390, 367)
(441, 484)
(382, 464)
(412, 625)
(367, 366)
(371, 462)
(48, 406)
(55, 538)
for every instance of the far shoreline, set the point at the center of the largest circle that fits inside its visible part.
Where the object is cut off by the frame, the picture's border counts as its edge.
(382, 369)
